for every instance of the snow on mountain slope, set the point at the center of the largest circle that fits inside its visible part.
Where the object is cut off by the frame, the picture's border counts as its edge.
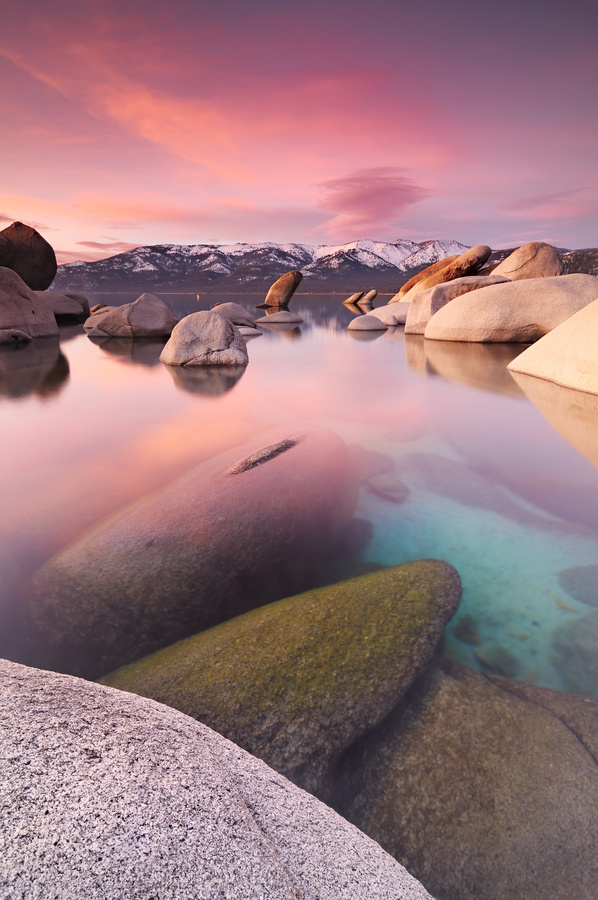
(201, 266)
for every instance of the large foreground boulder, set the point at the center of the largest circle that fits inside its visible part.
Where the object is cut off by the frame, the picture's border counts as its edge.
(26, 252)
(567, 355)
(467, 263)
(480, 791)
(427, 302)
(280, 293)
(246, 528)
(24, 315)
(205, 339)
(534, 260)
(344, 655)
(520, 311)
(146, 317)
(105, 796)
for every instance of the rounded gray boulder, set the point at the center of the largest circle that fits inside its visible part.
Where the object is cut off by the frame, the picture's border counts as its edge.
(205, 339)
(105, 795)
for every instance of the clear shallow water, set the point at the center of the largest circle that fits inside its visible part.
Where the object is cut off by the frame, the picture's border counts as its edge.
(493, 487)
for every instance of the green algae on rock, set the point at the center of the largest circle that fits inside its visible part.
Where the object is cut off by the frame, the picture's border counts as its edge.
(481, 787)
(298, 681)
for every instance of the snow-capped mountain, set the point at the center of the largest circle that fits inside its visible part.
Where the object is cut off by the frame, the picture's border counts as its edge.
(358, 265)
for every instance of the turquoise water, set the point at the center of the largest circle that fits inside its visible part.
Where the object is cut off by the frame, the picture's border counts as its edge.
(492, 487)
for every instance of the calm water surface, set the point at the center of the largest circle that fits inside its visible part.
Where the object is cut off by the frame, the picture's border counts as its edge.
(507, 496)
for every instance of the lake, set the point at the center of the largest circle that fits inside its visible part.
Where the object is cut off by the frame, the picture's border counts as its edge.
(486, 481)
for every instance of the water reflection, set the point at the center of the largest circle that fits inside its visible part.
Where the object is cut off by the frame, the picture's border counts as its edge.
(483, 366)
(138, 351)
(38, 368)
(211, 381)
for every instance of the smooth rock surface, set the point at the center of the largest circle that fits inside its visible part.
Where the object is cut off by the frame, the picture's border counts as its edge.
(520, 311)
(366, 323)
(534, 260)
(106, 796)
(567, 356)
(147, 316)
(280, 293)
(205, 339)
(395, 314)
(284, 317)
(479, 792)
(420, 276)
(246, 528)
(353, 298)
(467, 263)
(64, 305)
(427, 302)
(236, 314)
(367, 299)
(344, 655)
(31, 257)
(23, 314)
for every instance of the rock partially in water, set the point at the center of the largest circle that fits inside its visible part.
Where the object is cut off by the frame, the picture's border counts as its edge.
(478, 792)
(242, 530)
(280, 293)
(146, 317)
(521, 311)
(581, 583)
(29, 255)
(205, 339)
(576, 648)
(236, 314)
(533, 260)
(284, 317)
(468, 263)
(67, 306)
(296, 682)
(395, 314)
(353, 298)
(105, 794)
(367, 301)
(388, 486)
(24, 315)
(420, 276)
(429, 301)
(366, 323)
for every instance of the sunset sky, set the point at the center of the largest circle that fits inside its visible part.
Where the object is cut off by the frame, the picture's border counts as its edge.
(143, 122)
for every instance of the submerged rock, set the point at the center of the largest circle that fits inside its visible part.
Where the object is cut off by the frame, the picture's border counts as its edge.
(533, 260)
(497, 659)
(75, 306)
(146, 317)
(343, 656)
(481, 793)
(105, 794)
(581, 583)
(24, 315)
(576, 647)
(205, 339)
(246, 528)
(28, 254)
(515, 311)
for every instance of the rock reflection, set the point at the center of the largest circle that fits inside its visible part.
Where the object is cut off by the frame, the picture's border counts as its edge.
(139, 351)
(38, 368)
(365, 335)
(210, 381)
(574, 414)
(415, 353)
(482, 366)
(286, 329)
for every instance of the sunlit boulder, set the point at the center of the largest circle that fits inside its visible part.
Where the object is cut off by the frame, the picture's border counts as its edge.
(429, 301)
(24, 315)
(533, 260)
(424, 273)
(519, 311)
(467, 263)
(246, 528)
(280, 293)
(147, 316)
(482, 787)
(105, 794)
(393, 314)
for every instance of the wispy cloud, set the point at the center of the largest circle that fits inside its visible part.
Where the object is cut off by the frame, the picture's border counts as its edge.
(368, 201)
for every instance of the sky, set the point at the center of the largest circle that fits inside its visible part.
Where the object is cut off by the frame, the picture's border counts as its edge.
(314, 121)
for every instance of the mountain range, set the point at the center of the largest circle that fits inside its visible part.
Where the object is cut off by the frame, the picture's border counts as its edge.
(358, 265)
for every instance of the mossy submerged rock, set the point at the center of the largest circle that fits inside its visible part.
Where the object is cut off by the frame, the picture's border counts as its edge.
(298, 681)
(481, 790)
(245, 528)
(107, 795)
